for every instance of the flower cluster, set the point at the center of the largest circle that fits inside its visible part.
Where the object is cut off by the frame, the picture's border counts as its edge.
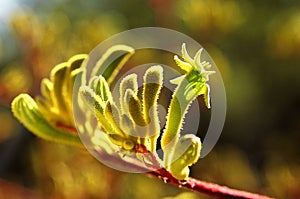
(129, 121)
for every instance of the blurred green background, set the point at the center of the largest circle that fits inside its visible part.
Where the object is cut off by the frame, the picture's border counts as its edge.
(255, 44)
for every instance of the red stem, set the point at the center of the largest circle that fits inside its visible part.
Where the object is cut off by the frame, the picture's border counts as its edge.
(191, 183)
(206, 187)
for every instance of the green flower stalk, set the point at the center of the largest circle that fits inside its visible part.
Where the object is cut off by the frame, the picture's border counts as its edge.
(189, 86)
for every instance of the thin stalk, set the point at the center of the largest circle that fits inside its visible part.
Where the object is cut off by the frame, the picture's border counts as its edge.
(192, 184)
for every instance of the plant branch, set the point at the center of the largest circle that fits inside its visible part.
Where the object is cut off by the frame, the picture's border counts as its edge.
(206, 187)
(190, 184)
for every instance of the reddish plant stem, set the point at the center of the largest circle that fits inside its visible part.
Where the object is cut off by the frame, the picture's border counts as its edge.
(206, 187)
(191, 183)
